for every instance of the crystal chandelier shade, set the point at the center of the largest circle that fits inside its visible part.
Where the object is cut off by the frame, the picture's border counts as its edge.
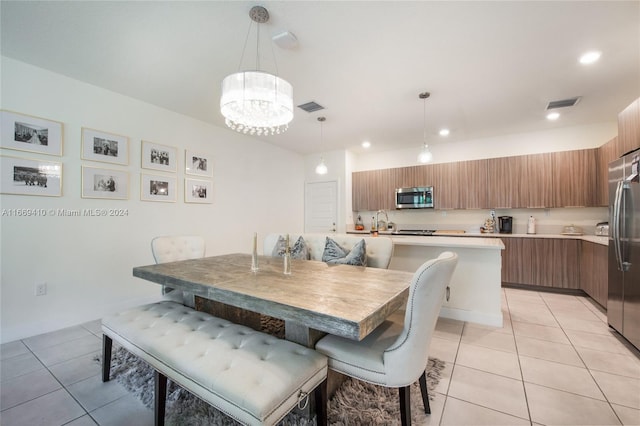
(256, 102)
(321, 168)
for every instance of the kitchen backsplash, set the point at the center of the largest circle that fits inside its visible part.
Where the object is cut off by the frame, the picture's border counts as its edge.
(548, 221)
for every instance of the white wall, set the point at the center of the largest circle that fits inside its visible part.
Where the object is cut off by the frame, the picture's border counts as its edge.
(549, 220)
(87, 261)
(562, 139)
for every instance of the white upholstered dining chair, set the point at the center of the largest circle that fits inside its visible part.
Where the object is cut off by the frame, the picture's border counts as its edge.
(172, 249)
(396, 353)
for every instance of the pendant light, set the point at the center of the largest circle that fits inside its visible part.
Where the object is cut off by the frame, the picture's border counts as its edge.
(256, 102)
(321, 168)
(425, 155)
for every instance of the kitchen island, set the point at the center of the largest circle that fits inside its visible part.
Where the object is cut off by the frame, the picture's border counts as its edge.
(476, 283)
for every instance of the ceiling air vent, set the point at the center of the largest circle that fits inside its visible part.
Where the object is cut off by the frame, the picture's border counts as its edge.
(563, 103)
(311, 107)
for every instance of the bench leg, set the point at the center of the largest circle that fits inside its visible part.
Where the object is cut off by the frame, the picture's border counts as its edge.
(160, 381)
(320, 396)
(107, 343)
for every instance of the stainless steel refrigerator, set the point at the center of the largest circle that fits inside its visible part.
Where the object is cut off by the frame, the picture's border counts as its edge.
(623, 305)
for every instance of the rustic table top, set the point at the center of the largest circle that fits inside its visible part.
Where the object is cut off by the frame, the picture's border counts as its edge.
(344, 300)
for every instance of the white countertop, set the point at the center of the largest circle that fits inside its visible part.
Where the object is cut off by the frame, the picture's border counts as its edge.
(444, 239)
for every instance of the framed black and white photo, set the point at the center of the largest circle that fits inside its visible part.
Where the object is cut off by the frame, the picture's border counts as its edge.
(159, 157)
(27, 133)
(158, 188)
(23, 176)
(198, 164)
(198, 191)
(105, 183)
(104, 147)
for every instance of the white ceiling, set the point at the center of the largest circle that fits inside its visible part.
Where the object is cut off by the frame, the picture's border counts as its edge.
(491, 67)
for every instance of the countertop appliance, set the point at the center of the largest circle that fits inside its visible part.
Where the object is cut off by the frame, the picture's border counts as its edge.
(505, 224)
(414, 198)
(602, 229)
(623, 305)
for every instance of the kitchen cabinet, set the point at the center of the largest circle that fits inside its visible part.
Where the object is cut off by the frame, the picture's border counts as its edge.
(574, 178)
(472, 177)
(359, 194)
(446, 186)
(593, 271)
(537, 181)
(629, 128)
(604, 155)
(545, 262)
(504, 182)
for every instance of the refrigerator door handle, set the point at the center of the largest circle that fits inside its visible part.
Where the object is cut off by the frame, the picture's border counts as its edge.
(616, 225)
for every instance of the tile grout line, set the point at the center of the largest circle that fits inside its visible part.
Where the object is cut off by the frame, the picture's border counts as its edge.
(585, 366)
(453, 367)
(515, 341)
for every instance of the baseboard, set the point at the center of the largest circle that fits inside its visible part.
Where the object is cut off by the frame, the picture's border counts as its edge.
(493, 320)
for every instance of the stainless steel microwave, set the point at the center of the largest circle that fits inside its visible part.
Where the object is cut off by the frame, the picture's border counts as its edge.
(414, 198)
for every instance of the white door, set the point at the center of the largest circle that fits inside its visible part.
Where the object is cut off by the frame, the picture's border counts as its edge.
(321, 206)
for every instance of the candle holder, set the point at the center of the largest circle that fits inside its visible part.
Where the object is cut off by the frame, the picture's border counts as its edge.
(287, 257)
(254, 254)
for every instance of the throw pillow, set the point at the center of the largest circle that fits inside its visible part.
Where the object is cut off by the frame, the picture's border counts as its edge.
(300, 250)
(335, 254)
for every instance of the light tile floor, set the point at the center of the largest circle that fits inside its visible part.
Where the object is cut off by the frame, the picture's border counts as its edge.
(554, 362)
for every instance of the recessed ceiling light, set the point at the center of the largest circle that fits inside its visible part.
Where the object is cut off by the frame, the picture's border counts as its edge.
(590, 57)
(444, 132)
(366, 144)
(553, 116)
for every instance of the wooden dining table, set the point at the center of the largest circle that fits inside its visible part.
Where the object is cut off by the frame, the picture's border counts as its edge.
(315, 299)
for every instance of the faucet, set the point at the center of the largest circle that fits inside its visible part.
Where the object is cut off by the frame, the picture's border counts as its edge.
(377, 221)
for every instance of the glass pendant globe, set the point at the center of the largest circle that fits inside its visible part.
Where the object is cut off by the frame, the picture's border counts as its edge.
(425, 155)
(321, 168)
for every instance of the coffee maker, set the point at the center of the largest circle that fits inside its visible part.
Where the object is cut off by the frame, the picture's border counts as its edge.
(505, 224)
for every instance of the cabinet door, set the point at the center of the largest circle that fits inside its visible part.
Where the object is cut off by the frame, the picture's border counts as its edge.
(629, 128)
(503, 182)
(536, 181)
(574, 183)
(565, 265)
(472, 176)
(446, 191)
(359, 198)
(593, 271)
(604, 155)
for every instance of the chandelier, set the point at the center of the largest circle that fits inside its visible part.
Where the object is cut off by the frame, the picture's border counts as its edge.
(425, 155)
(256, 102)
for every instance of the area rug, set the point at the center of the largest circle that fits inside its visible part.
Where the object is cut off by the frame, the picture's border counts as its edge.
(354, 403)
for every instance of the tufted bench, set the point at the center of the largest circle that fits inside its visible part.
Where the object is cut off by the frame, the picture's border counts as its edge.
(252, 377)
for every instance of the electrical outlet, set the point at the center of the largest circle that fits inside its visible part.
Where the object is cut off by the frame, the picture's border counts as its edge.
(41, 289)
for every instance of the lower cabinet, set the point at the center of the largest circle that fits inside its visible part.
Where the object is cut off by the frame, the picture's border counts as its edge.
(593, 271)
(545, 262)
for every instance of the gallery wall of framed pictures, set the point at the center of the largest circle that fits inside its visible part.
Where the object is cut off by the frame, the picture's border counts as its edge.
(159, 164)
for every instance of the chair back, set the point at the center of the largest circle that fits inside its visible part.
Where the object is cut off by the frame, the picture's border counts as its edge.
(405, 360)
(174, 248)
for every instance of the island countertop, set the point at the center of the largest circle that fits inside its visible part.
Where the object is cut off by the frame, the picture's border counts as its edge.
(602, 240)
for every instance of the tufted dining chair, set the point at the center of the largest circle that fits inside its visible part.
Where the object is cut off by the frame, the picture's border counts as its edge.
(172, 249)
(395, 354)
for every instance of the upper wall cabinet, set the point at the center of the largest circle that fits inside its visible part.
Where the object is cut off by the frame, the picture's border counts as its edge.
(604, 155)
(574, 178)
(629, 128)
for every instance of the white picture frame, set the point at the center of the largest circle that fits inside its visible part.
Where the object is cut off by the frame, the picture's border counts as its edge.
(198, 191)
(104, 147)
(23, 176)
(24, 132)
(198, 164)
(158, 188)
(159, 157)
(107, 184)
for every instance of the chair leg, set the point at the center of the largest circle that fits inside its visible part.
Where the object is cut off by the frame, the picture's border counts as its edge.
(425, 393)
(405, 405)
(320, 395)
(107, 343)
(160, 381)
